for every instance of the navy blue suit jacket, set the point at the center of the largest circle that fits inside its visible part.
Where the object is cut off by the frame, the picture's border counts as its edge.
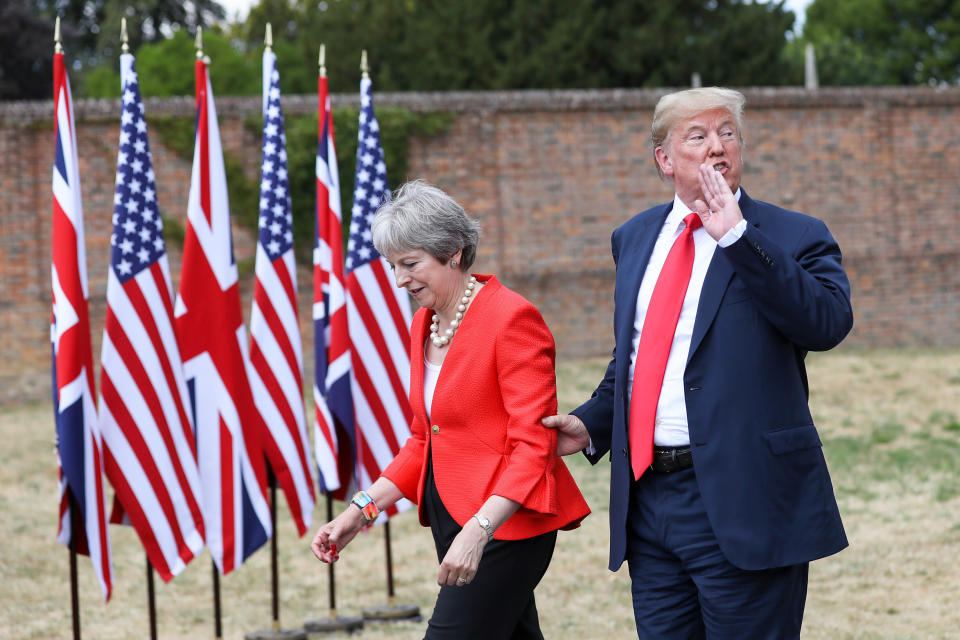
(768, 298)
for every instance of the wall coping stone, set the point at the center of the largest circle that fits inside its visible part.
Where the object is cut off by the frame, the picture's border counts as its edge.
(23, 113)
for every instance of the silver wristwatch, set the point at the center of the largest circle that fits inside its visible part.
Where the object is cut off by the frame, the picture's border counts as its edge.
(485, 524)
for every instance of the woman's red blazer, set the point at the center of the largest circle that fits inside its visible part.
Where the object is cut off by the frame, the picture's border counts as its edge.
(496, 384)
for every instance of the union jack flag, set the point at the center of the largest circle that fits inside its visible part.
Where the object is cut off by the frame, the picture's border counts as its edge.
(79, 442)
(379, 316)
(275, 346)
(149, 452)
(334, 439)
(213, 345)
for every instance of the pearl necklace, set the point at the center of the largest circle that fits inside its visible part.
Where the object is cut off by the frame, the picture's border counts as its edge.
(442, 341)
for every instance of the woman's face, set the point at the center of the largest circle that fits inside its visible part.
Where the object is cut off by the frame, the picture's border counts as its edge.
(433, 284)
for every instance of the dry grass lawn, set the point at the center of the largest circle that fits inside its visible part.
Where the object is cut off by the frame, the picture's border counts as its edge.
(891, 435)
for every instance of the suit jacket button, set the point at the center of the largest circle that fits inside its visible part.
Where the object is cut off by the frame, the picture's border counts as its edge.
(435, 429)
(624, 450)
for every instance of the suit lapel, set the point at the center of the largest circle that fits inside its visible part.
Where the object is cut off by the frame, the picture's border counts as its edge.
(634, 255)
(719, 274)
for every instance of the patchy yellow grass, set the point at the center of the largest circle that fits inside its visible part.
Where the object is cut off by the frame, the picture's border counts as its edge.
(889, 421)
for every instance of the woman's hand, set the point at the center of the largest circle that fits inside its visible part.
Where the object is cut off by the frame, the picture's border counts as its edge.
(332, 537)
(459, 566)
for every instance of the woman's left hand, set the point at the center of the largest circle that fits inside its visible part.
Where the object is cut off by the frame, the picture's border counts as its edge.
(459, 566)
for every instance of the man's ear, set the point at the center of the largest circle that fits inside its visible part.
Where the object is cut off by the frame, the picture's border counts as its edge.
(664, 160)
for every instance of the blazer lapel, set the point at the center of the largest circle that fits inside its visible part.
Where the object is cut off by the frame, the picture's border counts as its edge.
(719, 274)
(417, 336)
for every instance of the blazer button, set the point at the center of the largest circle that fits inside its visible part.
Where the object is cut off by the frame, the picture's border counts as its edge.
(624, 450)
(435, 429)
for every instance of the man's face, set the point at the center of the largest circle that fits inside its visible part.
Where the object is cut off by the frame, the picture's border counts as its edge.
(710, 136)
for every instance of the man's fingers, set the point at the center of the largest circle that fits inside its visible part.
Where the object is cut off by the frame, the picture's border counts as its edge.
(553, 421)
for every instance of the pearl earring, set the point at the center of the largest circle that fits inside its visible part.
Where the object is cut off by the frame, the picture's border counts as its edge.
(453, 263)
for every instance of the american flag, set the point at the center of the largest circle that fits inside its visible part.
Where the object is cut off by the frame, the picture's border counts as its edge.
(79, 442)
(149, 452)
(379, 316)
(334, 438)
(275, 347)
(213, 344)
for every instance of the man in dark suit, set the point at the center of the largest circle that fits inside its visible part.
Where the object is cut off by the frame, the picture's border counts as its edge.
(719, 492)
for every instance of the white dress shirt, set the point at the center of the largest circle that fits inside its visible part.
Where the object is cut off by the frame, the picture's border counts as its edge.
(671, 422)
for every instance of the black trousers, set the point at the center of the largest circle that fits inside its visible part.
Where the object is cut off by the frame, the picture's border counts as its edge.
(498, 604)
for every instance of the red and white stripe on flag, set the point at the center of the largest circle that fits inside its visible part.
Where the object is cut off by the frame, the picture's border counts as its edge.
(276, 375)
(378, 315)
(213, 346)
(79, 443)
(334, 438)
(150, 455)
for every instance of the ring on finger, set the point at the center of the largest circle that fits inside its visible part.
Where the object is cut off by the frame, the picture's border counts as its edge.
(461, 581)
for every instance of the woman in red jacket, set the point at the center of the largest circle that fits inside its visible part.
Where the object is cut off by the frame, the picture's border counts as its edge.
(479, 464)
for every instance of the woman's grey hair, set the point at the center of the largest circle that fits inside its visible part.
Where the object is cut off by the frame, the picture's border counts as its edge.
(419, 215)
(674, 107)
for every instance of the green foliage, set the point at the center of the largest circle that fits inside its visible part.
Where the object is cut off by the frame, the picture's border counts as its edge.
(26, 57)
(885, 42)
(504, 44)
(397, 125)
(166, 68)
(90, 31)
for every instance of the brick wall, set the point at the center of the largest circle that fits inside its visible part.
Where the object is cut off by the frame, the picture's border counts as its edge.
(550, 174)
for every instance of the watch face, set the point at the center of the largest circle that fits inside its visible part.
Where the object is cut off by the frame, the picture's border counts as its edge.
(361, 499)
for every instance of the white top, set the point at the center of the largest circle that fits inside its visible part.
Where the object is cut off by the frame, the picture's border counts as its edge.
(671, 423)
(430, 374)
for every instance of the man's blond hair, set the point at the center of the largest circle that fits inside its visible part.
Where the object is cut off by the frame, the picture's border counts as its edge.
(676, 107)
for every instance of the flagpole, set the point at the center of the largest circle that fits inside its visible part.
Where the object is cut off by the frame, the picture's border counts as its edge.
(151, 602)
(275, 632)
(151, 597)
(334, 622)
(391, 610)
(217, 621)
(71, 501)
(74, 510)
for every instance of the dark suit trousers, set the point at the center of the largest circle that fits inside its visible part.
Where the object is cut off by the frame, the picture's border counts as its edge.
(498, 604)
(683, 586)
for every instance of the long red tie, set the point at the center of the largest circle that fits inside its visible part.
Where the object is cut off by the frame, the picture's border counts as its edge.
(659, 326)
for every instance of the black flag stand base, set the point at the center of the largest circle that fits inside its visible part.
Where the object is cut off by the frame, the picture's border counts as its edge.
(335, 623)
(391, 610)
(316, 628)
(275, 632)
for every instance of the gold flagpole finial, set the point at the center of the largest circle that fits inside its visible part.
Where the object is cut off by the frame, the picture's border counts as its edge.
(322, 61)
(268, 37)
(125, 47)
(57, 46)
(363, 65)
(198, 43)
